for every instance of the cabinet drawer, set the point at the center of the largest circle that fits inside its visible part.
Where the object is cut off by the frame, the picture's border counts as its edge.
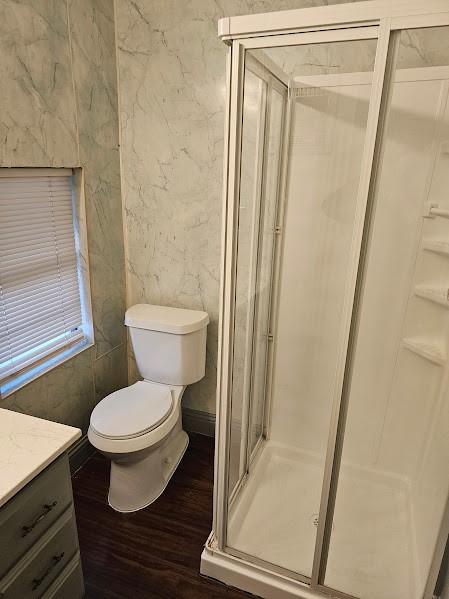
(70, 584)
(32, 511)
(42, 565)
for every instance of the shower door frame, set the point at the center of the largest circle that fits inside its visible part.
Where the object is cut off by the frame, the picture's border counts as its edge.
(318, 25)
(273, 82)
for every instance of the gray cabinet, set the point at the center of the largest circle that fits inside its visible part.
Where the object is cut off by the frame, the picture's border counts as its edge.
(39, 554)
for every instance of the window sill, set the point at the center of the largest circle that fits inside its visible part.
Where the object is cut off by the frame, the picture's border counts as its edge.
(32, 373)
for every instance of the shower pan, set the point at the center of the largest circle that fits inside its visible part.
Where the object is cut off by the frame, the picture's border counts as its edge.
(332, 447)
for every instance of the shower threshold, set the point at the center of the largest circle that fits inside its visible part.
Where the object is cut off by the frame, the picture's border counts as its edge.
(274, 519)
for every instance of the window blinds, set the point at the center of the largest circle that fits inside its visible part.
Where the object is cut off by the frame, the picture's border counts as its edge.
(40, 308)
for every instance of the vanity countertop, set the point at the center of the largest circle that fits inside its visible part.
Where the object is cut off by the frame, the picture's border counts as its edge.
(27, 446)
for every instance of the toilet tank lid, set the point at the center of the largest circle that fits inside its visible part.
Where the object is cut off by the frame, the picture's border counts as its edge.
(168, 320)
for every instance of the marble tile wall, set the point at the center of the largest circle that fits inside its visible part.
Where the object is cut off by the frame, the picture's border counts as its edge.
(58, 107)
(172, 94)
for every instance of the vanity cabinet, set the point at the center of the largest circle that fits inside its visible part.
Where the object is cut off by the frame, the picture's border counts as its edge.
(39, 553)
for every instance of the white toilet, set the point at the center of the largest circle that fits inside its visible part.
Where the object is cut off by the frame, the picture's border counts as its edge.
(140, 427)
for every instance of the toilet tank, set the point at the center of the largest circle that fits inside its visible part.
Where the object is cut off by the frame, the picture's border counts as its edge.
(169, 344)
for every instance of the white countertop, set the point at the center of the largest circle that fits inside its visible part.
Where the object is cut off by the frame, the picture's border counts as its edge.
(27, 446)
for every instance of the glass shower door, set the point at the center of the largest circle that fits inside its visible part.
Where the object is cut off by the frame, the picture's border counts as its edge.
(254, 108)
(289, 320)
(265, 257)
(393, 482)
(263, 114)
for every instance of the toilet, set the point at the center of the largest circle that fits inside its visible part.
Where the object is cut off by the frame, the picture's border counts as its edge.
(139, 428)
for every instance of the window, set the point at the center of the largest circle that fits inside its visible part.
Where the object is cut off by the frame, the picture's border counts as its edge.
(42, 308)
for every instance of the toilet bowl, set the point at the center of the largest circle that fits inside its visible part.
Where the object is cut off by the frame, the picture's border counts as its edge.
(139, 428)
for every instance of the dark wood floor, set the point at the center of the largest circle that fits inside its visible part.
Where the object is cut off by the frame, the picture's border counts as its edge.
(154, 552)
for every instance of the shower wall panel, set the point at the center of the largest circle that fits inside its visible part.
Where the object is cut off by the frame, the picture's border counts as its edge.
(388, 382)
(327, 138)
(430, 483)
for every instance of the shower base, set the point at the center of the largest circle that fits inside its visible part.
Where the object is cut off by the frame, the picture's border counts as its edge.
(274, 518)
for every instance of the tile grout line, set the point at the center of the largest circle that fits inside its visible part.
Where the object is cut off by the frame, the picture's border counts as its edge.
(122, 194)
(76, 102)
(75, 96)
(108, 352)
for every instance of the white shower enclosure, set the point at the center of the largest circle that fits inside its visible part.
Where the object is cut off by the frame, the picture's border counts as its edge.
(332, 447)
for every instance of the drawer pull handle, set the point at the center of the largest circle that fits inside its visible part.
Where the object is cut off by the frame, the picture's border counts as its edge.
(54, 562)
(47, 509)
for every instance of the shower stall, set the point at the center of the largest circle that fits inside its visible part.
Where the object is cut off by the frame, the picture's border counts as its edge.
(332, 448)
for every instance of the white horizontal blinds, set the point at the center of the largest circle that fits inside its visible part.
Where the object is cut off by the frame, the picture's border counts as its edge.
(40, 308)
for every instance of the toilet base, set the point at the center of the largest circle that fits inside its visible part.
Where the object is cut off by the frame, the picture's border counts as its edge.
(136, 482)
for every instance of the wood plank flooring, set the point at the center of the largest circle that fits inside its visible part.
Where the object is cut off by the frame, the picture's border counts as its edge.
(154, 552)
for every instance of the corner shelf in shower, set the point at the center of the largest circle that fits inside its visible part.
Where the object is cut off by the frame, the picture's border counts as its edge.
(426, 348)
(439, 246)
(439, 295)
(437, 211)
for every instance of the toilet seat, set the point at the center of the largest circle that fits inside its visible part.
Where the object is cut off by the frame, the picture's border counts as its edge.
(133, 411)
